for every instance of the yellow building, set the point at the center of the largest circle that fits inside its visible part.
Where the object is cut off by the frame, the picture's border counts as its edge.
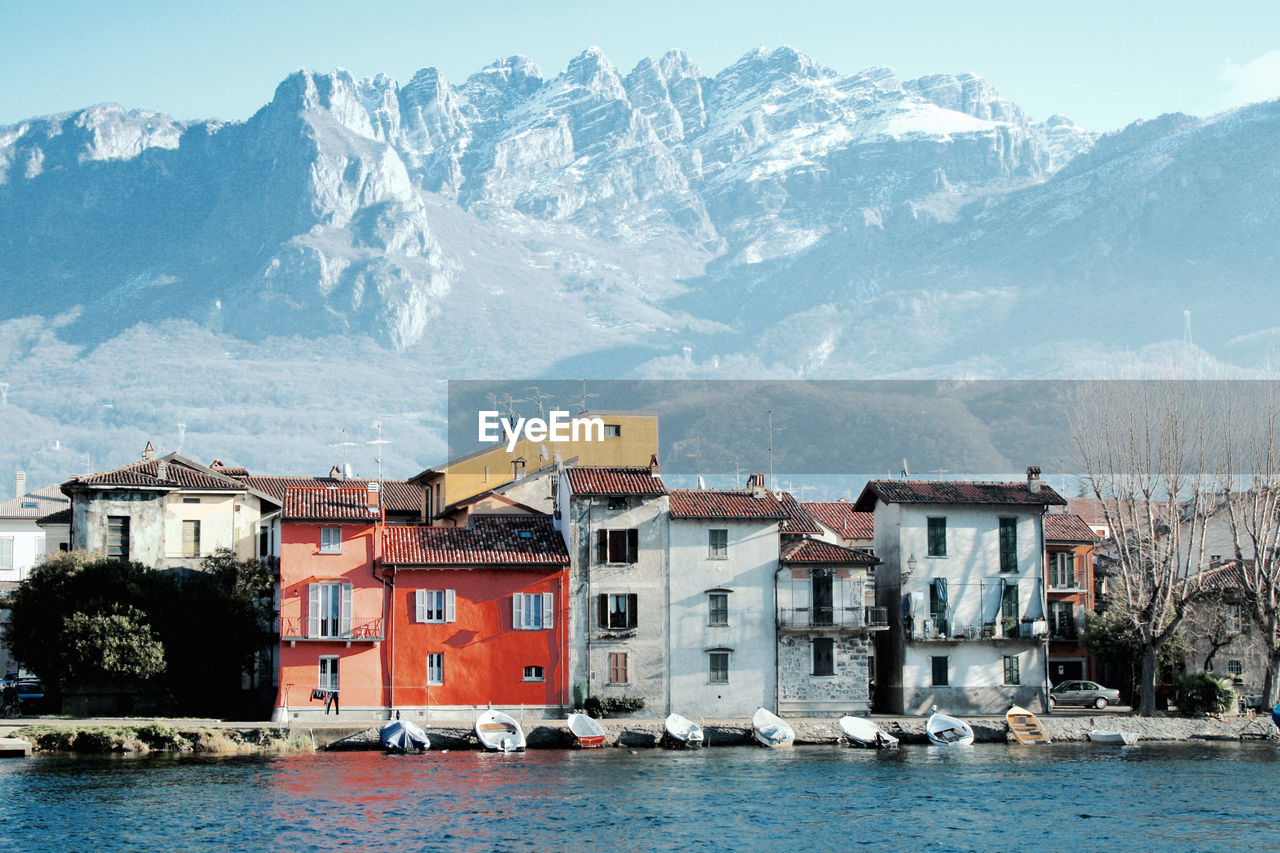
(628, 439)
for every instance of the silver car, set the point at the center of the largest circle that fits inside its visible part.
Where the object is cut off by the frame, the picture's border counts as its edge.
(1083, 693)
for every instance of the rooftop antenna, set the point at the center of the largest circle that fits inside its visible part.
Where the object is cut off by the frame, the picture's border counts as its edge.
(510, 403)
(537, 398)
(772, 428)
(737, 472)
(583, 397)
(1186, 322)
(938, 472)
(344, 444)
(906, 471)
(378, 442)
(696, 455)
(4, 394)
(182, 436)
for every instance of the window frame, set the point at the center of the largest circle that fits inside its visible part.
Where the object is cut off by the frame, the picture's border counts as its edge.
(1008, 545)
(531, 676)
(330, 532)
(618, 545)
(440, 611)
(718, 550)
(936, 532)
(718, 674)
(829, 656)
(191, 544)
(328, 680)
(1012, 667)
(522, 605)
(118, 529)
(1062, 566)
(7, 560)
(713, 609)
(327, 624)
(606, 610)
(618, 665)
(934, 669)
(435, 669)
(1235, 668)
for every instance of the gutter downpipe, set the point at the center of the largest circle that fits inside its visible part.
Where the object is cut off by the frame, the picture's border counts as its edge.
(1044, 611)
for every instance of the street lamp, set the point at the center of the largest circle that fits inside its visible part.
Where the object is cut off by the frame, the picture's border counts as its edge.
(911, 567)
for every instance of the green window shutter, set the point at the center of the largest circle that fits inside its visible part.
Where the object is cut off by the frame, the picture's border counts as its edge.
(1008, 544)
(938, 537)
(1009, 605)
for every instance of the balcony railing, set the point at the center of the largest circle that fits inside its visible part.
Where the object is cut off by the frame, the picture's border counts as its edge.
(941, 629)
(362, 631)
(817, 618)
(877, 618)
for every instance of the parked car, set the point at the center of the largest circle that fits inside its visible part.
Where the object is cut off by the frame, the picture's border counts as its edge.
(29, 693)
(1083, 693)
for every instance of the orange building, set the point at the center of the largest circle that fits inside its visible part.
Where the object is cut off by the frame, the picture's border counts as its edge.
(479, 615)
(1069, 543)
(332, 625)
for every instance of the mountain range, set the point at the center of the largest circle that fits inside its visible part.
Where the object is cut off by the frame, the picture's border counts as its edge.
(325, 263)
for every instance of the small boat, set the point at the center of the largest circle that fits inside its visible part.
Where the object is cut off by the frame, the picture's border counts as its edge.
(1275, 715)
(859, 731)
(1118, 738)
(1026, 726)
(684, 732)
(500, 732)
(403, 736)
(948, 731)
(771, 730)
(588, 732)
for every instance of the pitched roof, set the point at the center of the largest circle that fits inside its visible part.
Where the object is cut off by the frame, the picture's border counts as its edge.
(727, 503)
(501, 540)
(180, 473)
(798, 519)
(955, 492)
(1067, 527)
(35, 504)
(841, 519)
(614, 481)
(810, 551)
(62, 516)
(398, 495)
(328, 504)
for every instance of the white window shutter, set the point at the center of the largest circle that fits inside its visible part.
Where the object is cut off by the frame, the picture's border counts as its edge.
(547, 611)
(450, 605)
(420, 605)
(313, 610)
(345, 616)
(517, 612)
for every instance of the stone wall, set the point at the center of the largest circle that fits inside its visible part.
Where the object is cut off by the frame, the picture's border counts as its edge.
(801, 692)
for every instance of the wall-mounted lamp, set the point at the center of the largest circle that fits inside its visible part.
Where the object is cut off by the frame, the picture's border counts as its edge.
(911, 567)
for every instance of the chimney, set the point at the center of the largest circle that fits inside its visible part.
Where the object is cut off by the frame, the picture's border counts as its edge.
(653, 465)
(335, 473)
(149, 452)
(1033, 478)
(20, 484)
(162, 470)
(755, 483)
(373, 495)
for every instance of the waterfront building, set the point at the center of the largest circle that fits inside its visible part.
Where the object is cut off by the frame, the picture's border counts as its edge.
(840, 523)
(478, 616)
(614, 524)
(963, 587)
(23, 542)
(722, 564)
(1069, 543)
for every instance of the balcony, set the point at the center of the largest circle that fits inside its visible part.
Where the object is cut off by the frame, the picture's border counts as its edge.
(828, 619)
(293, 630)
(940, 630)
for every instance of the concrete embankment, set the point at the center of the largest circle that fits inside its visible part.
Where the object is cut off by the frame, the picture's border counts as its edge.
(217, 737)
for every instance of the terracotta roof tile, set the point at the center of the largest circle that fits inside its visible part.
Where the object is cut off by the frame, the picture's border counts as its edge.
(841, 519)
(180, 473)
(399, 495)
(955, 492)
(1067, 527)
(808, 550)
(328, 504)
(35, 504)
(488, 540)
(799, 520)
(614, 481)
(715, 503)
(62, 516)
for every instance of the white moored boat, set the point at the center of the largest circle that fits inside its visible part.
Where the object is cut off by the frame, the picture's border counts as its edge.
(588, 732)
(859, 731)
(499, 731)
(944, 730)
(771, 730)
(403, 736)
(684, 732)
(1119, 738)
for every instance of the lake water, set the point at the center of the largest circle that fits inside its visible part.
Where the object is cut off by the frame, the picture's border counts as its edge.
(989, 797)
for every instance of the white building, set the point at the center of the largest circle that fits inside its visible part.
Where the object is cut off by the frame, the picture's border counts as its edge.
(22, 541)
(962, 583)
(723, 559)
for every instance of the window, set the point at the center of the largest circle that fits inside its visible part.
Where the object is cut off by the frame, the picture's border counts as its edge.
(435, 605)
(1008, 544)
(937, 537)
(1235, 668)
(824, 611)
(533, 673)
(1062, 570)
(191, 500)
(824, 656)
(871, 670)
(938, 605)
(190, 538)
(118, 537)
(939, 670)
(435, 668)
(531, 611)
(1009, 607)
(41, 545)
(328, 679)
(264, 541)
(6, 552)
(617, 611)
(330, 540)
(616, 503)
(1062, 621)
(718, 667)
(1233, 619)
(718, 544)
(329, 609)
(1011, 674)
(613, 430)
(617, 546)
(718, 608)
(617, 667)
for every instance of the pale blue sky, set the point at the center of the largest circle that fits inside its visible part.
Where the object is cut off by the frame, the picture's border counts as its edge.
(1102, 63)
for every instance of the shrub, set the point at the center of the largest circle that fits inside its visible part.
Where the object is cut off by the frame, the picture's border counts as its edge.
(608, 706)
(1201, 693)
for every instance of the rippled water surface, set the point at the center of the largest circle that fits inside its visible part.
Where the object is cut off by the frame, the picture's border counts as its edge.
(989, 797)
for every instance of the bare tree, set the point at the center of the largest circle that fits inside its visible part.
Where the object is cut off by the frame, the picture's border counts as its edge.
(1146, 451)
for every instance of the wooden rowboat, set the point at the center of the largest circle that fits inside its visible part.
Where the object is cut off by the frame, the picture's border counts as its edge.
(1026, 726)
(948, 731)
(684, 732)
(771, 730)
(500, 732)
(588, 732)
(859, 731)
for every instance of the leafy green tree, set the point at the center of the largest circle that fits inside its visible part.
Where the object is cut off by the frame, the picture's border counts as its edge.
(111, 647)
(1110, 637)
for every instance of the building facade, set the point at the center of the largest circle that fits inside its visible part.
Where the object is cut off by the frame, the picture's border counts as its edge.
(1069, 542)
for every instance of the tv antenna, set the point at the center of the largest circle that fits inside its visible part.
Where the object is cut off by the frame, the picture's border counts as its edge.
(344, 444)
(182, 436)
(378, 442)
(583, 397)
(906, 471)
(772, 429)
(537, 398)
